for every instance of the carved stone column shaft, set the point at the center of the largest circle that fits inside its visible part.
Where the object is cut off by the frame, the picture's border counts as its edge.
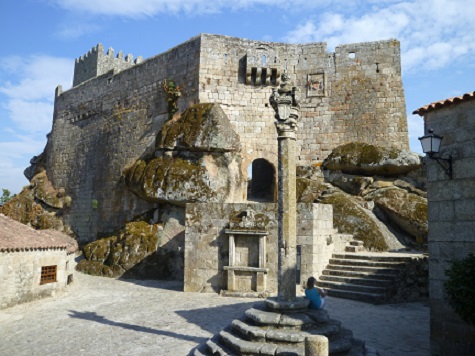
(286, 103)
(287, 218)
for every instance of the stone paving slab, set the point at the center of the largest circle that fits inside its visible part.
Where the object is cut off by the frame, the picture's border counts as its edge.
(102, 316)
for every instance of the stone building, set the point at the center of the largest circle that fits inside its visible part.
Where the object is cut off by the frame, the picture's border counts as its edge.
(33, 264)
(238, 249)
(451, 216)
(112, 115)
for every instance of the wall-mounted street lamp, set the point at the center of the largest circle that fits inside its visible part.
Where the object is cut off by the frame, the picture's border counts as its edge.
(431, 146)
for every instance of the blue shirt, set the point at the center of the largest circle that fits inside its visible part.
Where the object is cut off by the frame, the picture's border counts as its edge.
(314, 297)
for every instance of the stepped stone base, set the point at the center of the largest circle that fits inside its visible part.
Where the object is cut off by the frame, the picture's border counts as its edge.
(280, 328)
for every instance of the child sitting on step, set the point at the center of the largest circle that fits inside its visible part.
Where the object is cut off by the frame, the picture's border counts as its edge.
(314, 294)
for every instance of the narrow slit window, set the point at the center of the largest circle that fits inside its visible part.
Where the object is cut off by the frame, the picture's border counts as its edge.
(48, 274)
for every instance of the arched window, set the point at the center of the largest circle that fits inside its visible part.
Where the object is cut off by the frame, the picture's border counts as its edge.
(261, 183)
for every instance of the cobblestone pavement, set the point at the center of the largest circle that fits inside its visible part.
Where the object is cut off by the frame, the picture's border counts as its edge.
(101, 316)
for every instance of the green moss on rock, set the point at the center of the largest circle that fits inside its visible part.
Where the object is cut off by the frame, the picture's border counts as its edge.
(350, 218)
(406, 210)
(367, 159)
(27, 207)
(308, 190)
(112, 256)
(202, 127)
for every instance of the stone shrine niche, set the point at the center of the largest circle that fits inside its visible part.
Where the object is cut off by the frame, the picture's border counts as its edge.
(247, 272)
(316, 84)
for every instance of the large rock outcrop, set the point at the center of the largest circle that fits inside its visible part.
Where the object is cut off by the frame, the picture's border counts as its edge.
(39, 205)
(365, 159)
(112, 256)
(149, 248)
(197, 159)
(352, 218)
(406, 210)
(376, 195)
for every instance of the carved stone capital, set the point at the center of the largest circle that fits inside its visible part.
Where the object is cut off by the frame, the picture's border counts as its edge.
(286, 103)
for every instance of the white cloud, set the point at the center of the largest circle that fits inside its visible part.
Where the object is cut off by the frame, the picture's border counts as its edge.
(433, 33)
(73, 30)
(29, 89)
(15, 157)
(141, 8)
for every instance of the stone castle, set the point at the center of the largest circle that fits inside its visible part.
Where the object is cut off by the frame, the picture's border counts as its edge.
(111, 116)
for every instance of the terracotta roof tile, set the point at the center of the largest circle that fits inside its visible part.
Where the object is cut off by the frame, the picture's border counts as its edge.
(444, 103)
(15, 236)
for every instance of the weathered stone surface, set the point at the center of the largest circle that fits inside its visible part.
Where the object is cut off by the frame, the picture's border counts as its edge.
(263, 317)
(112, 256)
(351, 184)
(409, 187)
(351, 218)
(406, 210)
(39, 205)
(197, 160)
(202, 127)
(308, 190)
(37, 165)
(367, 159)
(141, 250)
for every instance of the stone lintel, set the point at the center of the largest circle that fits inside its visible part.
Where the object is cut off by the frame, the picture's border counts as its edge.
(245, 232)
(245, 269)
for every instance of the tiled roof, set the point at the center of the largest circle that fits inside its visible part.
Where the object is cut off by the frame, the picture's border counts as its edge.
(444, 103)
(15, 236)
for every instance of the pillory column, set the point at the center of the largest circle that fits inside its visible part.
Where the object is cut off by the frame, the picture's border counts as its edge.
(286, 104)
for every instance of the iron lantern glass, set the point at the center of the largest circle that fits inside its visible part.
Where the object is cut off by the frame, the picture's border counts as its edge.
(431, 143)
(431, 146)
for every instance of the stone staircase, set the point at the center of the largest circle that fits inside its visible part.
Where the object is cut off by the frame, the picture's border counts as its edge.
(263, 330)
(373, 277)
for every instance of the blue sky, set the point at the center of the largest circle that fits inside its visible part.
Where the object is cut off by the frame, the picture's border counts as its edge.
(41, 39)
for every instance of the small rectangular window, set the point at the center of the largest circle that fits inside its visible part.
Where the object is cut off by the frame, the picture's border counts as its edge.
(48, 274)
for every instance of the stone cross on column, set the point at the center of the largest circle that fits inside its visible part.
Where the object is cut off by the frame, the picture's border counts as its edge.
(286, 103)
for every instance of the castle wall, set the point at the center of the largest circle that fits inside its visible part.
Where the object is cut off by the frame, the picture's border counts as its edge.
(354, 94)
(104, 125)
(96, 62)
(110, 117)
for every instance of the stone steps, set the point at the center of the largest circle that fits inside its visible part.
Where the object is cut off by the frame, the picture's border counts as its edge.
(373, 298)
(368, 277)
(366, 263)
(373, 257)
(330, 271)
(265, 331)
(372, 271)
(383, 283)
(355, 246)
(331, 285)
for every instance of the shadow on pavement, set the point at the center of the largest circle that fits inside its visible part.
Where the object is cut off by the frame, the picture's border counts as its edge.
(172, 285)
(93, 316)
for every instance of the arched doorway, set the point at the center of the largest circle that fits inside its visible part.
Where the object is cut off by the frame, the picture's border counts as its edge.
(261, 182)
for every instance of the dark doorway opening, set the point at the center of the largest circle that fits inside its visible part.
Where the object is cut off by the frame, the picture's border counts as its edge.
(261, 183)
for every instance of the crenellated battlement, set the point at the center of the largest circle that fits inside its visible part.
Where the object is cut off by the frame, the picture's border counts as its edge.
(97, 62)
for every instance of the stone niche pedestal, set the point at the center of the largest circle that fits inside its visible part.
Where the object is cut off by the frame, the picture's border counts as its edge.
(246, 279)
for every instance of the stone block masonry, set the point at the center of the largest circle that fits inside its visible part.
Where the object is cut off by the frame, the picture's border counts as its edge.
(207, 247)
(111, 116)
(451, 217)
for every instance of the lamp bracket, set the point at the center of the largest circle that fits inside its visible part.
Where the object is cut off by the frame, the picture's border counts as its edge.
(448, 169)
